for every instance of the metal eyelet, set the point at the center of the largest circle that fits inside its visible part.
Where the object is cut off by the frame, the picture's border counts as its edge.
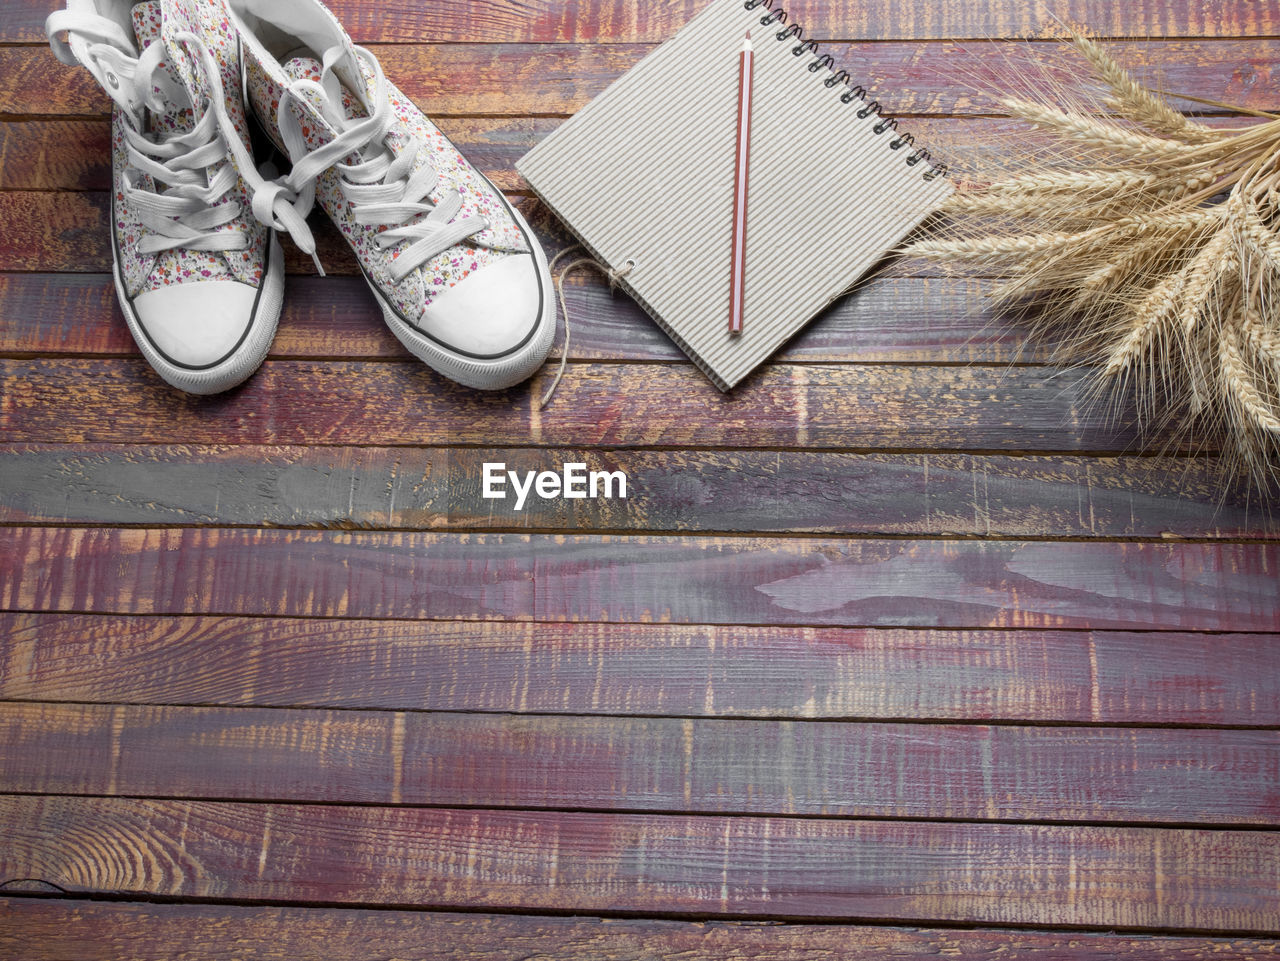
(113, 81)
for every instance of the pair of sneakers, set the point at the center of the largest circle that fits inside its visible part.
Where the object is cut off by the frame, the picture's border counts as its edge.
(458, 274)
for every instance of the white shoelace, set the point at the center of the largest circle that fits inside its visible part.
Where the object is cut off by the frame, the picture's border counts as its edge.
(187, 213)
(382, 187)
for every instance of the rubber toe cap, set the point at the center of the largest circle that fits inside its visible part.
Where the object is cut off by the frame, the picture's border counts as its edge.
(490, 313)
(197, 325)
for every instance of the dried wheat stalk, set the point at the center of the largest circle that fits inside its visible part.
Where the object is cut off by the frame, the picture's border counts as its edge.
(1146, 245)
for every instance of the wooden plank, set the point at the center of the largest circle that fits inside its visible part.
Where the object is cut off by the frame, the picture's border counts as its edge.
(76, 154)
(756, 767)
(52, 231)
(629, 21)
(660, 669)
(54, 930)
(48, 230)
(872, 407)
(702, 580)
(741, 491)
(530, 79)
(888, 319)
(1102, 877)
(55, 155)
(70, 231)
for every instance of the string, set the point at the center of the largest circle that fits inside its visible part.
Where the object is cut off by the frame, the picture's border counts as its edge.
(613, 275)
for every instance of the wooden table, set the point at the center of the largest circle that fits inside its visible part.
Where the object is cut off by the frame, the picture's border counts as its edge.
(902, 650)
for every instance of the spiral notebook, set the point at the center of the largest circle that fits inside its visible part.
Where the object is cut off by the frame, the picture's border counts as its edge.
(644, 177)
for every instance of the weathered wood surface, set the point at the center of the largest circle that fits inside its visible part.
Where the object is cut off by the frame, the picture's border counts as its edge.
(58, 214)
(810, 581)
(49, 930)
(653, 669)
(808, 407)
(33, 154)
(531, 79)
(254, 741)
(627, 21)
(1136, 878)
(933, 771)
(889, 319)
(742, 491)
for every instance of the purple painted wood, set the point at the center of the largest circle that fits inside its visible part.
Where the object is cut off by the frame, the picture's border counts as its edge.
(1177, 586)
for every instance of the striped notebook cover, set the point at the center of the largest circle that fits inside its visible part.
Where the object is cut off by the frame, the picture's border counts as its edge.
(644, 177)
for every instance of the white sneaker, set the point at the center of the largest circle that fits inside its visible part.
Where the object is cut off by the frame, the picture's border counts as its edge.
(200, 281)
(460, 277)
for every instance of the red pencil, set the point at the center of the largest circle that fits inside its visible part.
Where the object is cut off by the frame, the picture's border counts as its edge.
(742, 168)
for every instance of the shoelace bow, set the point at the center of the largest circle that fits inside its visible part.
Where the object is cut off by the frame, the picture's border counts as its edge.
(382, 187)
(187, 213)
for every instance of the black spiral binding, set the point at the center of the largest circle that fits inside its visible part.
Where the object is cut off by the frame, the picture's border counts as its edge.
(776, 15)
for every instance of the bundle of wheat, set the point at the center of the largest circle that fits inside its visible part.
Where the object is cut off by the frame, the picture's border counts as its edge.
(1146, 246)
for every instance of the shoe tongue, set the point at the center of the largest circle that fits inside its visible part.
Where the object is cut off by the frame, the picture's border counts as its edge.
(346, 93)
(177, 116)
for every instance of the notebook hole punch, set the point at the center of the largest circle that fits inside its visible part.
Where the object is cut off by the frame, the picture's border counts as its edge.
(869, 109)
(840, 76)
(856, 92)
(902, 141)
(889, 124)
(826, 60)
(799, 50)
(791, 31)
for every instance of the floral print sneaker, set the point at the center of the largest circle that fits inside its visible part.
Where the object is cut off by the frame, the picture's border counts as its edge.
(460, 277)
(199, 280)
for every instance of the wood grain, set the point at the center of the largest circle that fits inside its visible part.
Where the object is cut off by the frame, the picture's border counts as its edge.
(46, 930)
(630, 708)
(627, 21)
(76, 154)
(888, 319)
(658, 669)
(69, 231)
(34, 154)
(1207, 880)
(808, 407)
(740, 491)
(645, 764)
(532, 79)
(955, 584)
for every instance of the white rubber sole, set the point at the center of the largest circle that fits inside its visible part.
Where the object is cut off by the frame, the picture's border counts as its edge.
(493, 373)
(238, 366)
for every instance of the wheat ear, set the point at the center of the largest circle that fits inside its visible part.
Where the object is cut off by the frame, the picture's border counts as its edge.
(1242, 393)
(1136, 102)
(1214, 261)
(1091, 132)
(1155, 312)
